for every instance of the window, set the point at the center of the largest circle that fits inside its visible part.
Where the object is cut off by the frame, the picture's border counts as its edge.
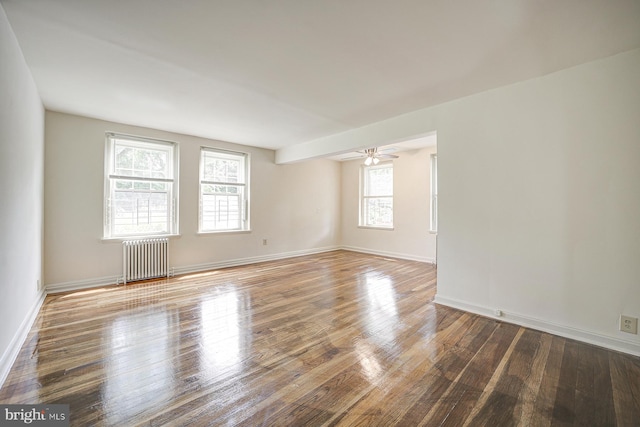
(141, 187)
(433, 224)
(376, 200)
(224, 190)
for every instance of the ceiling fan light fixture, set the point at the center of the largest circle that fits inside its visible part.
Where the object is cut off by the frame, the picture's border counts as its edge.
(373, 157)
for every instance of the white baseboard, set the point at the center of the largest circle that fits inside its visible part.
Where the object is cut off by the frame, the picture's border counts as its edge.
(612, 343)
(78, 285)
(249, 260)
(12, 351)
(189, 269)
(389, 254)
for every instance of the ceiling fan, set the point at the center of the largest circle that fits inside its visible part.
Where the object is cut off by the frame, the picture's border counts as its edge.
(373, 156)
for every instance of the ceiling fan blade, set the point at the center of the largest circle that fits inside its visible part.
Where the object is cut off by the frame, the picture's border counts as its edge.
(387, 156)
(386, 150)
(354, 156)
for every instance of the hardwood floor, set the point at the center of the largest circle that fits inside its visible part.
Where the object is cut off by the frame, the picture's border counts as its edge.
(339, 338)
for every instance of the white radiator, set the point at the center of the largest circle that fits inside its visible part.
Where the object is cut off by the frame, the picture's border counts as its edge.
(145, 259)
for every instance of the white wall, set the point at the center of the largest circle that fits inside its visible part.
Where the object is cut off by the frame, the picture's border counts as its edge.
(295, 207)
(410, 237)
(540, 201)
(539, 198)
(21, 196)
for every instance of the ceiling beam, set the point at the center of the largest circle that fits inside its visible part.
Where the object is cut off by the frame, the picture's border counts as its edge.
(401, 128)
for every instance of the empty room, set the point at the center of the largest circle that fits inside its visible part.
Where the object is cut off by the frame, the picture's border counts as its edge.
(298, 213)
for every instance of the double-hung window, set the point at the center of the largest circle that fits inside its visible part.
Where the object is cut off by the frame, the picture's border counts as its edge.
(376, 196)
(224, 190)
(141, 187)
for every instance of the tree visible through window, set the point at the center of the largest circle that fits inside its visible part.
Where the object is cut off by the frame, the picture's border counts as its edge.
(376, 202)
(140, 196)
(223, 190)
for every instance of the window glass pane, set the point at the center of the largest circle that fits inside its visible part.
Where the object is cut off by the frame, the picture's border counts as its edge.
(221, 207)
(221, 167)
(379, 181)
(379, 211)
(141, 160)
(136, 211)
(159, 186)
(223, 191)
(219, 189)
(124, 159)
(142, 186)
(123, 185)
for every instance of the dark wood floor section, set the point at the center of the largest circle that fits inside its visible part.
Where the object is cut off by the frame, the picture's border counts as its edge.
(339, 338)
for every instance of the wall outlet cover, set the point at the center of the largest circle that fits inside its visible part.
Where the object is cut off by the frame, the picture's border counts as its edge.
(629, 324)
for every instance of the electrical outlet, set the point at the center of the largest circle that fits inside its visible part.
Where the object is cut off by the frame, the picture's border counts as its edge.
(629, 324)
(264, 242)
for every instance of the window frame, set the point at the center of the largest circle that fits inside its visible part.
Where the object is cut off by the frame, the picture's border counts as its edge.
(362, 221)
(245, 223)
(433, 207)
(110, 179)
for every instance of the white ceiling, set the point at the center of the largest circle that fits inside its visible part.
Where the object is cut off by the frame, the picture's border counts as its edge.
(274, 73)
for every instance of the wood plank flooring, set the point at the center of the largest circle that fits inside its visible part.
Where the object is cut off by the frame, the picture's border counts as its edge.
(339, 338)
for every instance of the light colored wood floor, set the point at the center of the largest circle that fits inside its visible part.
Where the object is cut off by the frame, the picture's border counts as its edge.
(334, 339)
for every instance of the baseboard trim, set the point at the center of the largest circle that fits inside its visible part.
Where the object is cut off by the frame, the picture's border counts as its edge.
(388, 254)
(197, 268)
(612, 343)
(11, 354)
(79, 285)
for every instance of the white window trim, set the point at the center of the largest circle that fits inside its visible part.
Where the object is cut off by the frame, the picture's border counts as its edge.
(108, 161)
(246, 228)
(433, 206)
(362, 197)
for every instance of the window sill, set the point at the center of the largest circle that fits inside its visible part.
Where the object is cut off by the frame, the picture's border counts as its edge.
(376, 228)
(125, 238)
(209, 233)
